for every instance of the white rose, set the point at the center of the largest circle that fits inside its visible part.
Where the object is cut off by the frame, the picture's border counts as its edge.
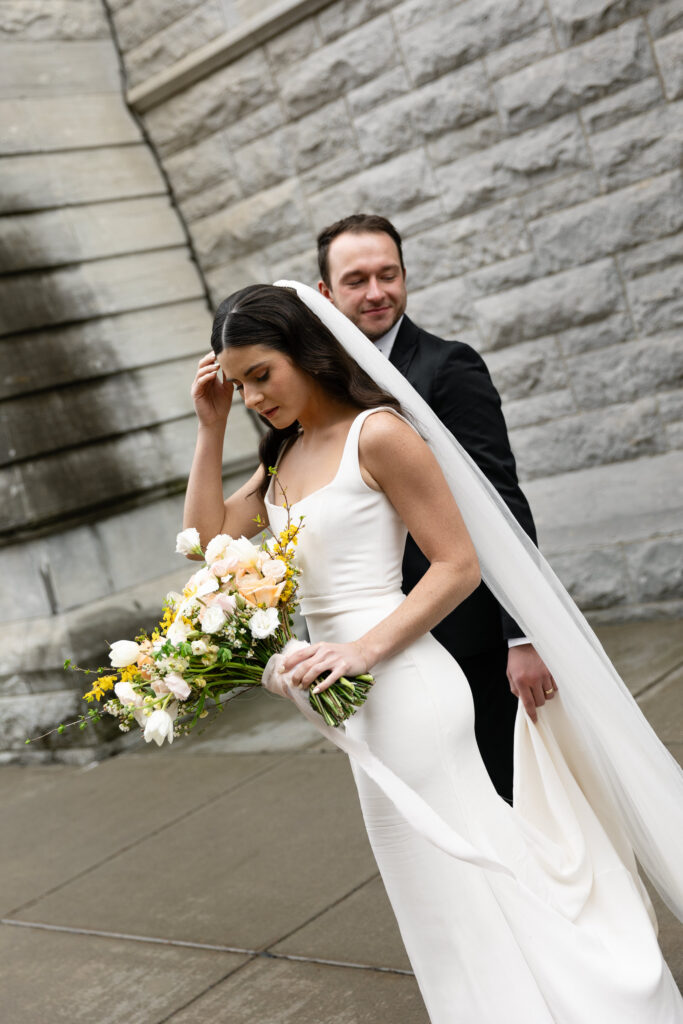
(127, 695)
(177, 686)
(225, 601)
(244, 551)
(159, 725)
(264, 622)
(212, 618)
(188, 543)
(206, 583)
(188, 608)
(216, 547)
(124, 653)
(274, 569)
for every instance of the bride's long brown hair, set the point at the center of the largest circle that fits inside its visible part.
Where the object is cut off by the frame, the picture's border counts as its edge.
(263, 314)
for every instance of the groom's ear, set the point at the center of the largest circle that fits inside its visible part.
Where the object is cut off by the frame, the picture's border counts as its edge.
(324, 290)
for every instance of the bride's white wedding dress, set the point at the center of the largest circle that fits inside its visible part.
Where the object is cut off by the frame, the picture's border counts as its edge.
(570, 939)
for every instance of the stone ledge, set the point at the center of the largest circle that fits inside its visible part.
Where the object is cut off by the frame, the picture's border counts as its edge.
(221, 51)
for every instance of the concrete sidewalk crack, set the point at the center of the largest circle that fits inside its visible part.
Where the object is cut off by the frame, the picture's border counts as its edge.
(209, 947)
(204, 992)
(319, 913)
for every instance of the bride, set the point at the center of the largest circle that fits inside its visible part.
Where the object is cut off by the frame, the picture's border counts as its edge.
(564, 932)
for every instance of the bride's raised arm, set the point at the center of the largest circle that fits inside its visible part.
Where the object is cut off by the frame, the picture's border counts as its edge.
(205, 507)
(395, 459)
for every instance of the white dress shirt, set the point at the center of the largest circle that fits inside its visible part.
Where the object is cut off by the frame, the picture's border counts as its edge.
(386, 342)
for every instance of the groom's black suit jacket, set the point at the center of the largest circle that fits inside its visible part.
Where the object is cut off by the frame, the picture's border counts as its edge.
(453, 379)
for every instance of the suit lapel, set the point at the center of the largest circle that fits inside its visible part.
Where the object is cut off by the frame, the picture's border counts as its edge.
(405, 346)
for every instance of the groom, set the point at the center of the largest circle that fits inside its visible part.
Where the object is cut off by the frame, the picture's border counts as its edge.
(362, 272)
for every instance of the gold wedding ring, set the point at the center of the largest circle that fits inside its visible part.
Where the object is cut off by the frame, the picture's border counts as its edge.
(547, 692)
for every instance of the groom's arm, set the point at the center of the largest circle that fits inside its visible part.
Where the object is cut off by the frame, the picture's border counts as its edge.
(466, 401)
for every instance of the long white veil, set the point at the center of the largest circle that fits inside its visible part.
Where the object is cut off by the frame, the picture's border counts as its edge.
(623, 768)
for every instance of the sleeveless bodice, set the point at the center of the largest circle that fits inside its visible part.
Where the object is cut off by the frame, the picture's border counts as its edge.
(350, 549)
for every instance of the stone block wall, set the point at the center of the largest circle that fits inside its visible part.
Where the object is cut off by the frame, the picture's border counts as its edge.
(103, 314)
(530, 152)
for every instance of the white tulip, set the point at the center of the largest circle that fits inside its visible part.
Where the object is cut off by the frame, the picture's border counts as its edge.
(140, 717)
(159, 725)
(124, 653)
(127, 695)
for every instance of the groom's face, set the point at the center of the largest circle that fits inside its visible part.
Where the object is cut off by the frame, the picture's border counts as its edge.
(367, 282)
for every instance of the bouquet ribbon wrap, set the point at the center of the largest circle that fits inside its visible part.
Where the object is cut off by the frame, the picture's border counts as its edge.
(414, 809)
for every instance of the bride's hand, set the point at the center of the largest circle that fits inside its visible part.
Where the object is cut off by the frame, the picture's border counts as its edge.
(212, 397)
(306, 664)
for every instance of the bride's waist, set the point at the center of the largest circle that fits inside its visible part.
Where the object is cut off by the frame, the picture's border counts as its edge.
(333, 614)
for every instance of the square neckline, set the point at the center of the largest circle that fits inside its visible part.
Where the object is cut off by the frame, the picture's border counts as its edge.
(319, 490)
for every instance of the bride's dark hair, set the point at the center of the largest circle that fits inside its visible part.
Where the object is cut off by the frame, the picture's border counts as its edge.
(263, 314)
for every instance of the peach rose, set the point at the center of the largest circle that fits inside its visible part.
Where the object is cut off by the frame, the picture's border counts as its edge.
(260, 591)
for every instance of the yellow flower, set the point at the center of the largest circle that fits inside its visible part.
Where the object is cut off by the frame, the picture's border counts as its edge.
(167, 620)
(99, 688)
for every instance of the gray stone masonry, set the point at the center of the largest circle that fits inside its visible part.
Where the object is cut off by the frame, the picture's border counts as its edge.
(529, 150)
(102, 317)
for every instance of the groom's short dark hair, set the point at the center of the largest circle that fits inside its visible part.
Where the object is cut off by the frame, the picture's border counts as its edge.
(358, 224)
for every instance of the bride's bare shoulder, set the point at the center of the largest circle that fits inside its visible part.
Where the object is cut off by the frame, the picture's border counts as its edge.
(384, 432)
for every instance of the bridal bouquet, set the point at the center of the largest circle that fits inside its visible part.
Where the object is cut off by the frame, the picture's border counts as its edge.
(233, 615)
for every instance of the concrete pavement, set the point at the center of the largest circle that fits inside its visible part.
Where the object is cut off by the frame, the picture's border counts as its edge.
(228, 878)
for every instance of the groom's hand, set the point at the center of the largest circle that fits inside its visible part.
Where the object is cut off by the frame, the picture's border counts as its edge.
(529, 678)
